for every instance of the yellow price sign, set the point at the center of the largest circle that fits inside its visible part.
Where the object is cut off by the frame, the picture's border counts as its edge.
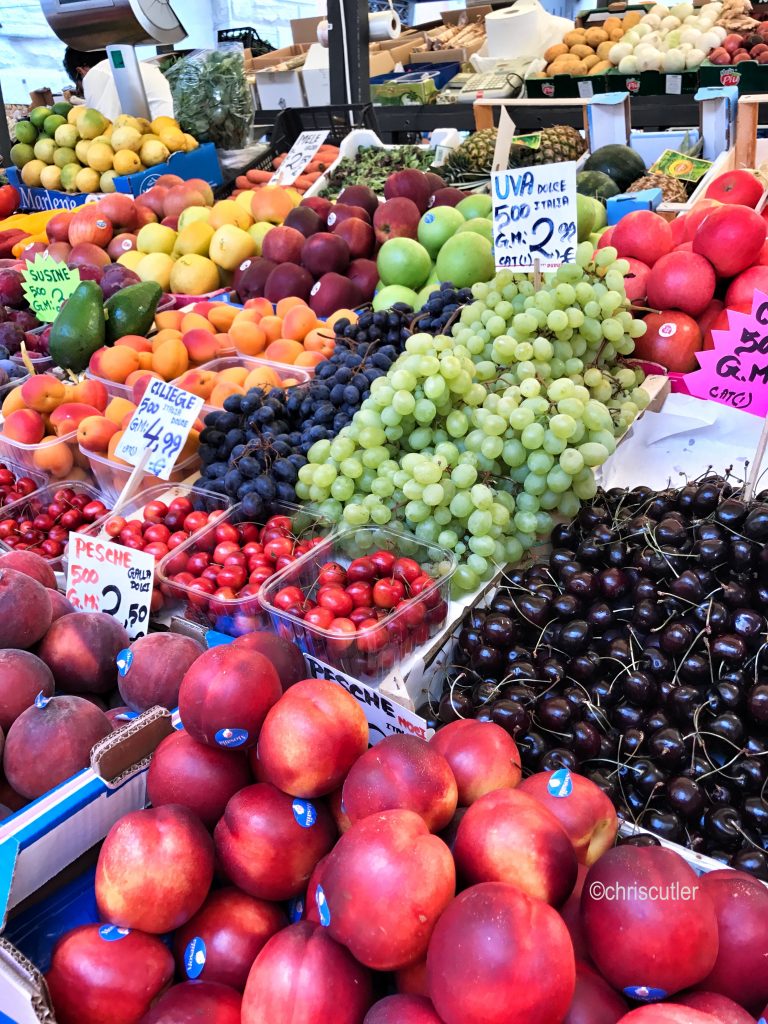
(47, 285)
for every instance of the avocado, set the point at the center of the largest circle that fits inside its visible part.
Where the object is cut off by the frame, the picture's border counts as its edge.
(132, 310)
(78, 330)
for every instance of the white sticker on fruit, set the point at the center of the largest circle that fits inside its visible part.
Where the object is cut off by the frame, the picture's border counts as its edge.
(41, 700)
(304, 813)
(194, 958)
(106, 577)
(323, 910)
(315, 288)
(124, 661)
(231, 737)
(534, 217)
(645, 993)
(299, 155)
(111, 933)
(331, 219)
(560, 783)
(161, 424)
(667, 330)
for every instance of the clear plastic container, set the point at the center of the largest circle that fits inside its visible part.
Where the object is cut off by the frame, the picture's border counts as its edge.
(283, 371)
(39, 500)
(6, 389)
(49, 456)
(40, 479)
(40, 362)
(370, 653)
(114, 390)
(238, 615)
(111, 477)
(179, 301)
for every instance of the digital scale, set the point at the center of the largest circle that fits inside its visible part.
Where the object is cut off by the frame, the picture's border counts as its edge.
(117, 26)
(504, 81)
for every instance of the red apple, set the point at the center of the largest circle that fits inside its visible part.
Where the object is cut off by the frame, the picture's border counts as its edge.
(720, 322)
(134, 888)
(410, 184)
(225, 936)
(605, 238)
(120, 209)
(709, 316)
(644, 235)
(302, 976)
(383, 886)
(396, 218)
(193, 1002)
(120, 244)
(732, 42)
(684, 247)
(581, 807)
(742, 288)
(402, 772)
(681, 280)
(741, 906)
(698, 215)
(57, 227)
(740, 186)
(678, 227)
(762, 258)
(481, 755)
(315, 715)
(345, 211)
(731, 238)
(594, 1001)
(499, 957)
(508, 836)
(671, 339)
(101, 973)
(722, 1008)
(359, 236)
(668, 1013)
(649, 922)
(402, 1009)
(90, 224)
(636, 279)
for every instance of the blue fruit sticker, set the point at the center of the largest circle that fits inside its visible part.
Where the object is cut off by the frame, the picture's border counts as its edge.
(231, 737)
(296, 909)
(645, 993)
(428, 218)
(304, 813)
(194, 958)
(124, 661)
(560, 783)
(322, 907)
(127, 716)
(41, 700)
(111, 933)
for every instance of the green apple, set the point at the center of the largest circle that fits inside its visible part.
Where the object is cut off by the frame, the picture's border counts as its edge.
(477, 205)
(480, 226)
(601, 216)
(437, 226)
(585, 216)
(403, 261)
(466, 259)
(257, 232)
(386, 297)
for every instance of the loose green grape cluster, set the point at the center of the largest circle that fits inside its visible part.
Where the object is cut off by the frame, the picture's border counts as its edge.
(476, 441)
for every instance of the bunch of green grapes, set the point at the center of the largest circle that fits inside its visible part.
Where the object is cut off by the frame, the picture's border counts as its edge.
(474, 442)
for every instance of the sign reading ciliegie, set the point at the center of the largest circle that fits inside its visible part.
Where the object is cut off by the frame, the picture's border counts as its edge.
(534, 216)
(161, 423)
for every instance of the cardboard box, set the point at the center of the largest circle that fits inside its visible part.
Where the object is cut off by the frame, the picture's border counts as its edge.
(316, 76)
(280, 89)
(202, 162)
(304, 30)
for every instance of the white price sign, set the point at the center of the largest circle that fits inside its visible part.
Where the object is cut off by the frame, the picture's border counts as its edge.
(299, 155)
(106, 577)
(160, 425)
(534, 217)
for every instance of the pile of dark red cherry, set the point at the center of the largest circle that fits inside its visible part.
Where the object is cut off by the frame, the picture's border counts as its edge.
(638, 653)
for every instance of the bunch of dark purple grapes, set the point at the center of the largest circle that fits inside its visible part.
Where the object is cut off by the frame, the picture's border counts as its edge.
(637, 654)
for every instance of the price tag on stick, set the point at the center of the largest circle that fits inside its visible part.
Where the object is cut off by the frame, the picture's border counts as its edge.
(47, 285)
(299, 155)
(107, 577)
(534, 217)
(161, 424)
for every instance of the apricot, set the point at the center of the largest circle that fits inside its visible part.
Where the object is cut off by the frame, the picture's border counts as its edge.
(171, 359)
(201, 345)
(139, 374)
(225, 343)
(272, 327)
(90, 392)
(288, 303)
(222, 315)
(248, 338)
(320, 340)
(141, 384)
(54, 457)
(190, 446)
(94, 433)
(13, 400)
(199, 382)
(162, 336)
(171, 318)
(284, 350)
(251, 316)
(114, 441)
(145, 361)
(342, 314)
(262, 377)
(193, 321)
(233, 374)
(260, 305)
(118, 409)
(136, 341)
(271, 203)
(43, 392)
(24, 425)
(307, 360)
(291, 382)
(222, 391)
(298, 322)
(116, 363)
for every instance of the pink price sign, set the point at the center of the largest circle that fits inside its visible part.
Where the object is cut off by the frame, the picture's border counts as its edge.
(735, 372)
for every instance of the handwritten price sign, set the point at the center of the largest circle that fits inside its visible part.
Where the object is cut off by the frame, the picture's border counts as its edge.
(534, 216)
(106, 577)
(47, 285)
(161, 424)
(735, 372)
(299, 155)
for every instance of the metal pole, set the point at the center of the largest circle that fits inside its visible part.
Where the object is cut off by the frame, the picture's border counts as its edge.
(348, 51)
(5, 138)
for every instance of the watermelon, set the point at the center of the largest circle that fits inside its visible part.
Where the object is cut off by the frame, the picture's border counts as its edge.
(596, 184)
(622, 164)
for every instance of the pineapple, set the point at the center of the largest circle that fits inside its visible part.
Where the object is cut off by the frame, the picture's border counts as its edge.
(474, 158)
(672, 189)
(558, 144)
